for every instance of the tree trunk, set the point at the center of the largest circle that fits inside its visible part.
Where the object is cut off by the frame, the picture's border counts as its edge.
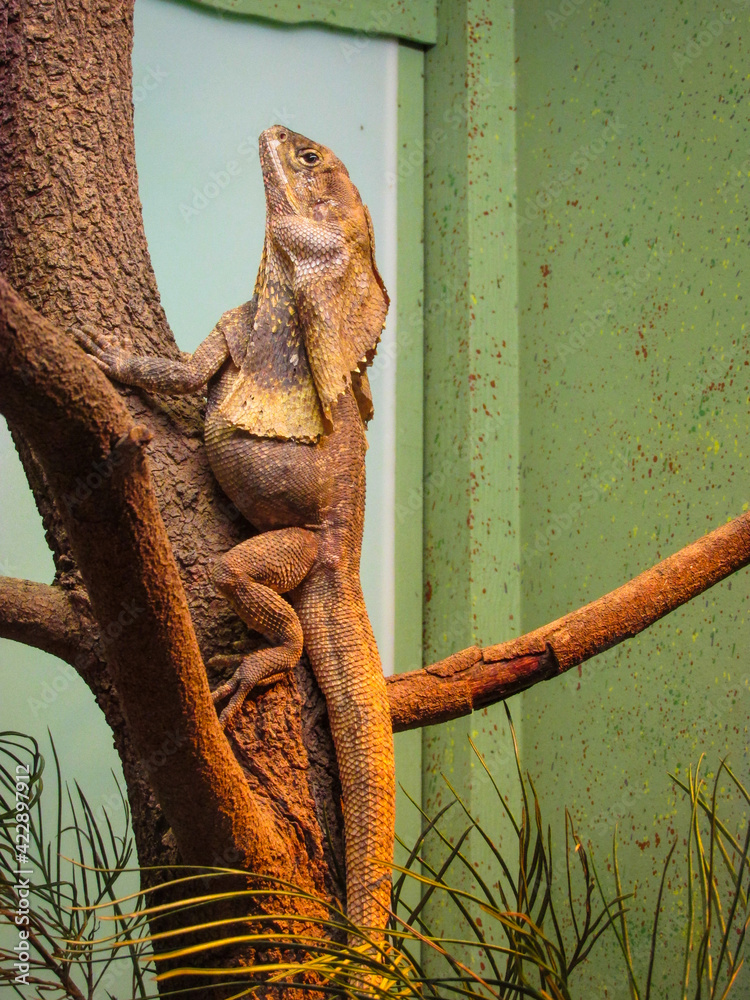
(73, 246)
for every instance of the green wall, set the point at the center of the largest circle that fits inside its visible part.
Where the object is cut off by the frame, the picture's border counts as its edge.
(587, 193)
(633, 227)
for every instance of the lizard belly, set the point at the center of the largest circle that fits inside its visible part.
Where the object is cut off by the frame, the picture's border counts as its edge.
(274, 484)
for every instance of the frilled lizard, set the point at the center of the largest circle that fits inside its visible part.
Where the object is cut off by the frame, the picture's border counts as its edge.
(287, 404)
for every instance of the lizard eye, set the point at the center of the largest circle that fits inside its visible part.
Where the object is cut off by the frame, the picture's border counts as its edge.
(309, 156)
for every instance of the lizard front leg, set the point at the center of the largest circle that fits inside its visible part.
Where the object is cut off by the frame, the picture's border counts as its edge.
(153, 373)
(251, 576)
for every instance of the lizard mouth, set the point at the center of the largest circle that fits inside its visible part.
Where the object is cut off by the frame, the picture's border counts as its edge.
(274, 175)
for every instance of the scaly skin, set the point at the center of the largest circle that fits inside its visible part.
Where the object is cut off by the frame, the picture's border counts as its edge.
(287, 402)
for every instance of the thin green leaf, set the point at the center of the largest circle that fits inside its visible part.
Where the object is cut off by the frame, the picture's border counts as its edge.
(657, 913)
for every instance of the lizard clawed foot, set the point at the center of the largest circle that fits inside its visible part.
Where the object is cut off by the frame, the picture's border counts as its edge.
(256, 667)
(103, 350)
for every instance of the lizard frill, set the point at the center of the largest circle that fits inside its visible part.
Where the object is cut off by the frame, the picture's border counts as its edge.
(274, 395)
(343, 316)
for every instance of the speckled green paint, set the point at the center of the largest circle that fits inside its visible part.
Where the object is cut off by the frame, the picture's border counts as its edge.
(471, 376)
(414, 20)
(631, 352)
(634, 216)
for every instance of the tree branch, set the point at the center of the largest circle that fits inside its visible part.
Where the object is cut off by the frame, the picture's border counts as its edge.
(477, 677)
(43, 616)
(93, 457)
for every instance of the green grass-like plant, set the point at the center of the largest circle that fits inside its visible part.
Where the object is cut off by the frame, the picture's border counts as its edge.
(74, 879)
(529, 932)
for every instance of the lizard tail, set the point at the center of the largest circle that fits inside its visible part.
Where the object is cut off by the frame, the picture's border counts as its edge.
(344, 658)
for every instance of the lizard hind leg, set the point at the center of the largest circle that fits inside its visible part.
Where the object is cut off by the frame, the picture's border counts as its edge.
(252, 576)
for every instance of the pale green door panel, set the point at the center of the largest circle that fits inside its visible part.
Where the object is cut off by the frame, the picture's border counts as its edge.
(217, 85)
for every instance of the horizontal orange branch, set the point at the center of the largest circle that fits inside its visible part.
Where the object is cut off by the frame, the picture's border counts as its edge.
(474, 677)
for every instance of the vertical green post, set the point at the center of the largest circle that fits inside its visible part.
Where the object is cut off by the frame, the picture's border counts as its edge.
(409, 182)
(471, 505)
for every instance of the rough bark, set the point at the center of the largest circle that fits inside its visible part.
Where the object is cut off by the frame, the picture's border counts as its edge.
(43, 616)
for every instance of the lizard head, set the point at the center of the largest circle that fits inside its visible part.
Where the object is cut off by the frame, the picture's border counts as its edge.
(303, 178)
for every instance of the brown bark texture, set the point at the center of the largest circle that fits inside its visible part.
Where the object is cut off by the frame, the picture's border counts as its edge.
(135, 519)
